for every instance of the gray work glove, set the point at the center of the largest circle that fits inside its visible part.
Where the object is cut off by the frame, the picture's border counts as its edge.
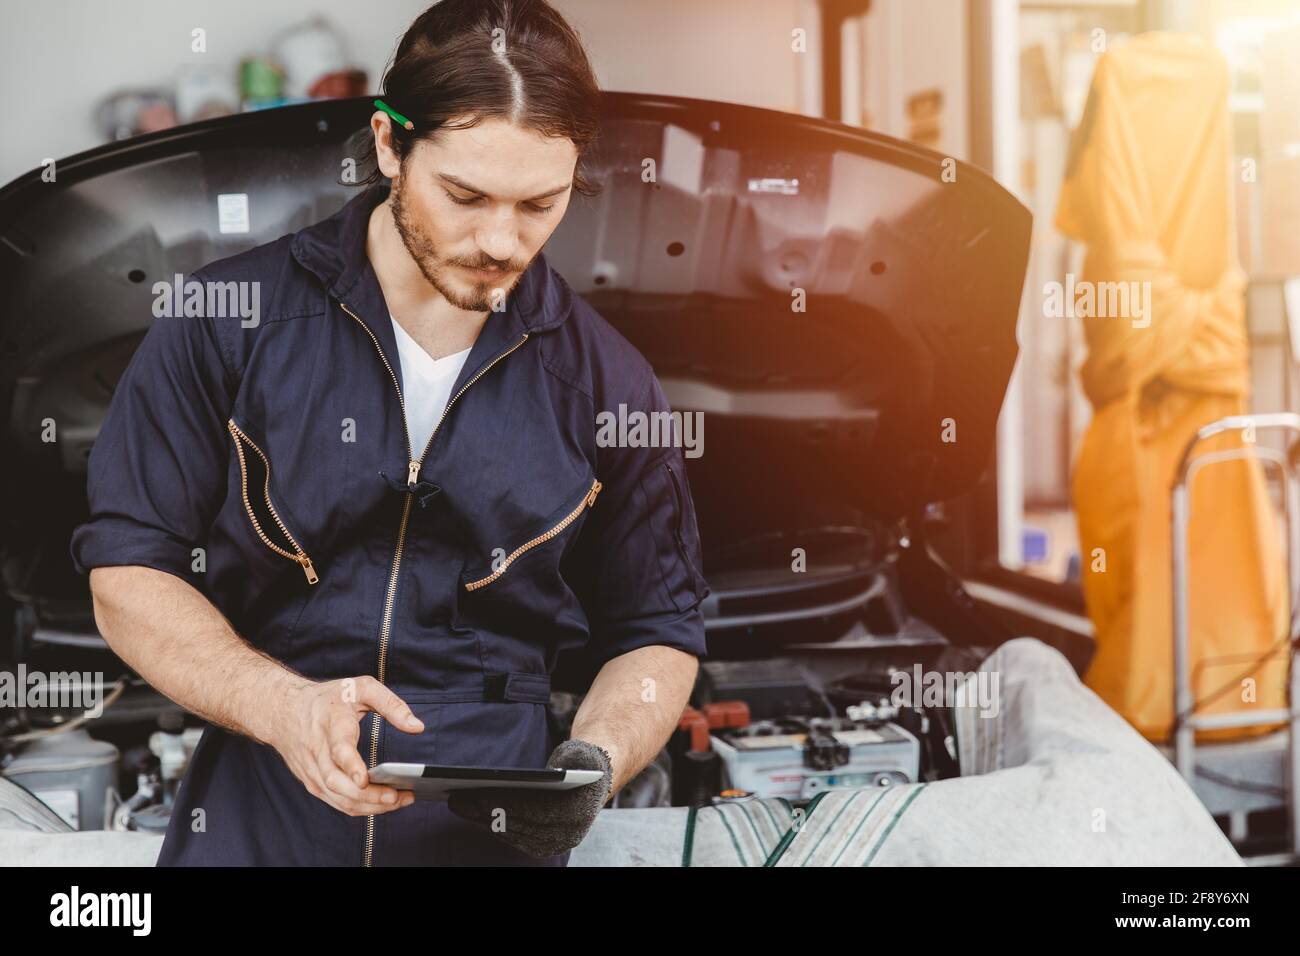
(542, 823)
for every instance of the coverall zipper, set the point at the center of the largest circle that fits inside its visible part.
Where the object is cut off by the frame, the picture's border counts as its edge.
(298, 555)
(588, 500)
(412, 476)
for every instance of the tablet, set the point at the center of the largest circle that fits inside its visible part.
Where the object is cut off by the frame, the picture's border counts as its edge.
(431, 782)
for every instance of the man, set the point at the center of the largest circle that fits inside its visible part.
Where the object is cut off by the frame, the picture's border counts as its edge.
(362, 529)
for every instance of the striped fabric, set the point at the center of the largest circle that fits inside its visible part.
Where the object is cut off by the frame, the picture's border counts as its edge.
(847, 827)
(838, 828)
(736, 834)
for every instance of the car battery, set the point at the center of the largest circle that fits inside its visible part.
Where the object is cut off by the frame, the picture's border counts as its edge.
(799, 758)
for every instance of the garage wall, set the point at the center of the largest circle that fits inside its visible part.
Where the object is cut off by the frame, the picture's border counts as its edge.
(913, 47)
(58, 58)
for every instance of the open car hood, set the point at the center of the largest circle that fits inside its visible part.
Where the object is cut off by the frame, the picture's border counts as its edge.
(839, 305)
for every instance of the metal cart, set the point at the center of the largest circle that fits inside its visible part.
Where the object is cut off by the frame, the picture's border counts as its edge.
(1186, 720)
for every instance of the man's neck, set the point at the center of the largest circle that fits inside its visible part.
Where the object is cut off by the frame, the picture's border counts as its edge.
(439, 327)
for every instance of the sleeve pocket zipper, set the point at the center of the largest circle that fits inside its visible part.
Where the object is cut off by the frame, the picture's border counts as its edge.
(588, 501)
(681, 514)
(297, 554)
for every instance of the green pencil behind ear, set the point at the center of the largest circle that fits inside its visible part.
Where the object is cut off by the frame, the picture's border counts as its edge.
(394, 114)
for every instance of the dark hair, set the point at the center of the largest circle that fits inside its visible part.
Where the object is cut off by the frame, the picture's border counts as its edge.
(517, 60)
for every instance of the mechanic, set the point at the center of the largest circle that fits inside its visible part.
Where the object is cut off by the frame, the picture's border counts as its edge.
(362, 528)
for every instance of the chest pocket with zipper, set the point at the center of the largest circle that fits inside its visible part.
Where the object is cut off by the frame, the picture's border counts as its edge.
(266, 520)
(505, 561)
(521, 576)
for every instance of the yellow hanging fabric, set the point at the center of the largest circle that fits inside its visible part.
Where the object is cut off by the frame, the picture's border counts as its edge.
(1148, 190)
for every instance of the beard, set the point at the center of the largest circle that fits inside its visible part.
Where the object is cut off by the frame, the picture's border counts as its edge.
(477, 296)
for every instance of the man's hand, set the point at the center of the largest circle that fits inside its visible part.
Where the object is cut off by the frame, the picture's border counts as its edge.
(213, 672)
(541, 823)
(317, 733)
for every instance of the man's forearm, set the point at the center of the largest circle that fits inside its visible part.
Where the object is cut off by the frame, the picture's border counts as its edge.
(633, 706)
(174, 638)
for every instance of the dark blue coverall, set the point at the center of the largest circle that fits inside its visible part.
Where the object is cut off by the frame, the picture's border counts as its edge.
(269, 467)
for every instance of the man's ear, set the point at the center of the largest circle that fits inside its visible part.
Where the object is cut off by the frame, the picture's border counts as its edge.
(381, 125)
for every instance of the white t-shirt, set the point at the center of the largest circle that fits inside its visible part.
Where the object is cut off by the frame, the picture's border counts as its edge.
(426, 386)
